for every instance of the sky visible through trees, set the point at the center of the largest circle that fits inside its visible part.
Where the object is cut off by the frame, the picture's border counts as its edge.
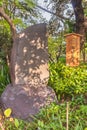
(47, 5)
(44, 13)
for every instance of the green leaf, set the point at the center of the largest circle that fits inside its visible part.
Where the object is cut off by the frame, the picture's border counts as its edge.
(7, 112)
(16, 122)
(85, 128)
(1, 3)
(30, 3)
(40, 123)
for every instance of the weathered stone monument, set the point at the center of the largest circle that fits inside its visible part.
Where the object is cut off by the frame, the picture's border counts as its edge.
(28, 92)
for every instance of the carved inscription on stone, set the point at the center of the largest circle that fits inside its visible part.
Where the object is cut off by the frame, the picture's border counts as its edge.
(30, 62)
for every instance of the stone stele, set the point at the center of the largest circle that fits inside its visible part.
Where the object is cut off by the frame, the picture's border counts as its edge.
(29, 92)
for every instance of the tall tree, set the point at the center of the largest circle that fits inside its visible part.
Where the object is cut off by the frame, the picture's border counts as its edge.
(79, 16)
(14, 10)
(61, 11)
(80, 27)
(62, 7)
(13, 16)
(8, 19)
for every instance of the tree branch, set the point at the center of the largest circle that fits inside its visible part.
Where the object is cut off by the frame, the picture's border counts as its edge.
(7, 18)
(48, 11)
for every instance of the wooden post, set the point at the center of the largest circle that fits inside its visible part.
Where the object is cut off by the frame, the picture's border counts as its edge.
(67, 116)
(73, 49)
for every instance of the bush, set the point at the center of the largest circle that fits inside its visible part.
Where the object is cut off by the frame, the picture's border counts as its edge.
(4, 76)
(68, 81)
(52, 117)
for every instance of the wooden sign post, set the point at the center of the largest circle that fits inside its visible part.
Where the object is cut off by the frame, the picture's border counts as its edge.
(73, 49)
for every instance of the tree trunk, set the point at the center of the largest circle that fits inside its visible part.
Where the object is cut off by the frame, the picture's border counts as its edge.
(7, 18)
(13, 31)
(79, 16)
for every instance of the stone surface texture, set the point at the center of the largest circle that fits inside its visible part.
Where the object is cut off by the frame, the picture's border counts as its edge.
(27, 100)
(29, 62)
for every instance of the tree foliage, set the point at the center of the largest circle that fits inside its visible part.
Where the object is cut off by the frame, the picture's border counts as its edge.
(14, 16)
(63, 11)
(56, 47)
(68, 81)
(67, 19)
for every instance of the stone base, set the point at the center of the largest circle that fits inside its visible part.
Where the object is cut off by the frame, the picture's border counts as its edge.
(27, 100)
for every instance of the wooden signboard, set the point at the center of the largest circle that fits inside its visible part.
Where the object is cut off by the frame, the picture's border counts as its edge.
(73, 49)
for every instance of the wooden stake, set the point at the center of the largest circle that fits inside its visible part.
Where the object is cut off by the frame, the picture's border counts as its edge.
(67, 116)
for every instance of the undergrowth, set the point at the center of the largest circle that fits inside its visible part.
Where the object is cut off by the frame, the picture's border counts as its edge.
(70, 85)
(67, 81)
(52, 117)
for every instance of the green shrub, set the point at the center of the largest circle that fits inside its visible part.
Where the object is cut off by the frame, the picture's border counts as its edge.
(56, 48)
(4, 76)
(54, 118)
(68, 81)
(14, 124)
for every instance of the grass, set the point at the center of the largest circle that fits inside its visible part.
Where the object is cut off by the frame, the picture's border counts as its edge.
(52, 117)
